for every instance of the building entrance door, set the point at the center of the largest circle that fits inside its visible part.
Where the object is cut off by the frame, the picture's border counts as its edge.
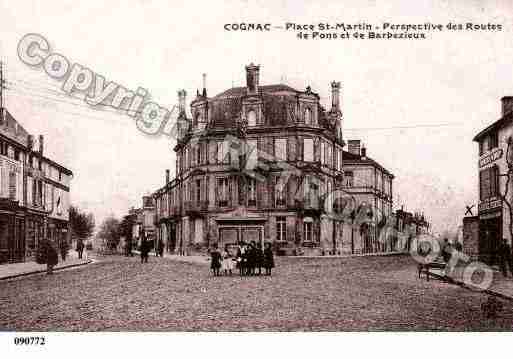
(233, 235)
(490, 234)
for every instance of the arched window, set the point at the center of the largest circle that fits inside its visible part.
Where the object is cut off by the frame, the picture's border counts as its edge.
(308, 117)
(251, 116)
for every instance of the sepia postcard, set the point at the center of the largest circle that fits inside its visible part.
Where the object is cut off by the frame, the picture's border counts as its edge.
(285, 176)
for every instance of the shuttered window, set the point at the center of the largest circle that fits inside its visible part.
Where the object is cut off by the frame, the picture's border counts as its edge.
(12, 186)
(489, 182)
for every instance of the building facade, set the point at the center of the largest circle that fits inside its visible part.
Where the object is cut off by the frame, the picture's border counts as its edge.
(34, 193)
(254, 163)
(495, 192)
(143, 221)
(370, 184)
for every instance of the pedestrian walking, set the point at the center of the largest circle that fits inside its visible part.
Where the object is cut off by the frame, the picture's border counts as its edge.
(64, 247)
(268, 259)
(161, 248)
(80, 248)
(216, 259)
(228, 262)
(52, 258)
(446, 251)
(145, 250)
(505, 257)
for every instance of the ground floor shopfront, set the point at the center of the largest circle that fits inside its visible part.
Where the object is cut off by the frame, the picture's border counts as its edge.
(22, 230)
(289, 232)
(491, 230)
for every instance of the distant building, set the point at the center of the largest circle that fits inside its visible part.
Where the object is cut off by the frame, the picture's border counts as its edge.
(408, 225)
(144, 221)
(493, 213)
(370, 184)
(34, 193)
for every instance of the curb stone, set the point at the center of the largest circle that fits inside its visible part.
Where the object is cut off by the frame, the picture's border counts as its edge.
(463, 285)
(89, 261)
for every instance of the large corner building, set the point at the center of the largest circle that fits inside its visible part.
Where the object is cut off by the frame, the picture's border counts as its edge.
(272, 191)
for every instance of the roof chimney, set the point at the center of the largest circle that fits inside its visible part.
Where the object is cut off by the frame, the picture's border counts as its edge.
(335, 95)
(30, 142)
(364, 151)
(181, 100)
(353, 147)
(204, 85)
(507, 105)
(252, 78)
(167, 176)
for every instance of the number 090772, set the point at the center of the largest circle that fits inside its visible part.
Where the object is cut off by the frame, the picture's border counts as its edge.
(29, 341)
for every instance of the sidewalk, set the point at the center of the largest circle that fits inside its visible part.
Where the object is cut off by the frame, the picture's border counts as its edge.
(195, 259)
(14, 270)
(501, 286)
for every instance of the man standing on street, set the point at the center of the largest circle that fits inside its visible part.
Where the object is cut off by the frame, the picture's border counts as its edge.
(505, 257)
(80, 248)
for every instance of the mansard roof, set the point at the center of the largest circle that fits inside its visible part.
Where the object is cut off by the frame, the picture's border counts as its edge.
(241, 91)
(279, 103)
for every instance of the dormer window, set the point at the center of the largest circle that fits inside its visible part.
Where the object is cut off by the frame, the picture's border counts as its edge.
(251, 117)
(199, 123)
(308, 117)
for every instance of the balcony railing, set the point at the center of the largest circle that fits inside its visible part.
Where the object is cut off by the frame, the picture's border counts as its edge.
(195, 207)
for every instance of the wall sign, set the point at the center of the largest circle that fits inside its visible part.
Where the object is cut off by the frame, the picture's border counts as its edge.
(489, 205)
(490, 158)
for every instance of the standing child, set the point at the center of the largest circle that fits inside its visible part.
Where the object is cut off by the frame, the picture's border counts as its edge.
(215, 257)
(227, 264)
(268, 259)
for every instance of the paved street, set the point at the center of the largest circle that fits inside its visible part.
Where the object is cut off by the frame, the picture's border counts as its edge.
(367, 293)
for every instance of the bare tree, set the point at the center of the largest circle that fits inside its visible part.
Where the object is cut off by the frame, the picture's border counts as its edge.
(509, 174)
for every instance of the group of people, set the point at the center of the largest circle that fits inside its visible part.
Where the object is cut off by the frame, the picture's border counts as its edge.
(248, 259)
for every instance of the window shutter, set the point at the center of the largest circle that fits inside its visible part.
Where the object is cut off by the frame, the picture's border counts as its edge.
(270, 146)
(271, 183)
(259, 193)
(232, 189)
(216, 192)
(291, 190)
(299, 149)
(260, 146)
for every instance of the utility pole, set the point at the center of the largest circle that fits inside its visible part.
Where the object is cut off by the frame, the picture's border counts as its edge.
(1, 86)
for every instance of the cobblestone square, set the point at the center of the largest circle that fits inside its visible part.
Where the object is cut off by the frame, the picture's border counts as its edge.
(304, 294)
